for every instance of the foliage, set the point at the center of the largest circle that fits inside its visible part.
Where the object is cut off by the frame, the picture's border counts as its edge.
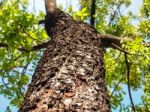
(19, 29)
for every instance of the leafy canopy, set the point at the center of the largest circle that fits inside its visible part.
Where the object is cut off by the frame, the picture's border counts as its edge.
(20, 32)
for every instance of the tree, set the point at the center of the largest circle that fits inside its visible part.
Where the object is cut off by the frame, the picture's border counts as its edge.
(25, 49)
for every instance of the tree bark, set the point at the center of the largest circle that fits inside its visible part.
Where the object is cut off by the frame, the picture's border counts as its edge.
(70, 77)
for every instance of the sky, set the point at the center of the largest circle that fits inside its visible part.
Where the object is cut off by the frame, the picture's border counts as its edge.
(39, 6)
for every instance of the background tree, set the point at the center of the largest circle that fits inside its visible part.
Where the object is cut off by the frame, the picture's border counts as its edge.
(21, 41)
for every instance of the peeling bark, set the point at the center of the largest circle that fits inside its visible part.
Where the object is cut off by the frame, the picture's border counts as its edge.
(70, 77)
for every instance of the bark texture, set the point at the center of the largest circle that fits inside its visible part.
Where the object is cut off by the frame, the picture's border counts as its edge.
(70, 77)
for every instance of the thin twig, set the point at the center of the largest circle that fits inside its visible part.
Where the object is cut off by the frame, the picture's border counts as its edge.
(34, 9)
(128, 81)
(30, 35)
(114, 14)
(118, 81)
(5, 84)
(119, 48)
(23, 73)
(34, 48)
(24, 69)
(116, 86)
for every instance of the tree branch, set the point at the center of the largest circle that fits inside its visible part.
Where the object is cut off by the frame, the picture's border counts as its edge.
(29, 34)
(5, 84)
(108, 41)
(147, 44)
(22, 74)
(112, 93)
(128, 81)
(121, 79)
(112, 41)
(50, 6)
(93, 10)
(114, 14)
(3, 45)
(119, 48)
(34, 48)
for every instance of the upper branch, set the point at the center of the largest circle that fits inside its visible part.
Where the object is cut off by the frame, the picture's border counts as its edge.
(93, 8)
(50, 6)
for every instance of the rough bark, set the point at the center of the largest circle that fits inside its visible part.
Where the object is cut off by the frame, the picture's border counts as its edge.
(70, 77)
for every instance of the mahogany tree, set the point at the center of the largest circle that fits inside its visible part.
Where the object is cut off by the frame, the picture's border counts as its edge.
(70, 75)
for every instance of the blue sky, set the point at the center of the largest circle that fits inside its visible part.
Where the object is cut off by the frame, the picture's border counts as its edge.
(39, 5)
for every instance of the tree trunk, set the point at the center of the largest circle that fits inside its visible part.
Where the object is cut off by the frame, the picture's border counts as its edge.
(70, 77)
